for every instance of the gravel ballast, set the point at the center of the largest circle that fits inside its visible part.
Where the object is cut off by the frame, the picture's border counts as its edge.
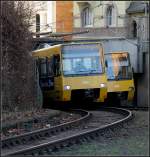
(130, 140)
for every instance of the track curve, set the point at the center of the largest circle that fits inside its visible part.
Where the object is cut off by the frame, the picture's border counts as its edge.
(10, 142)
(48, 147)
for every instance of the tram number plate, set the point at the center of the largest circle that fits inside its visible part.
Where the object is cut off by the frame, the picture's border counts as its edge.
(116, 86)
(85, 82)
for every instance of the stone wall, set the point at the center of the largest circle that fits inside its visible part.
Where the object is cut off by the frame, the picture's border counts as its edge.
(103, 32)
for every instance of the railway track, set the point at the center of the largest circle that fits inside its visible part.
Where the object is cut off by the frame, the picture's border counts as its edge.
(10, 143)
(137, 108)
(46, 141)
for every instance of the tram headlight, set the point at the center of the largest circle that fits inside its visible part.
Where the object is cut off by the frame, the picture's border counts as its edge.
(66, 87)
(102, 85)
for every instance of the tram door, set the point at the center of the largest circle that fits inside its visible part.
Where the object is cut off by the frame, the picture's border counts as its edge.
(49, 76)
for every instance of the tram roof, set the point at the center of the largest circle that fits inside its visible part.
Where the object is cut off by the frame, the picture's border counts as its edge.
(55, 49)
(47, 51)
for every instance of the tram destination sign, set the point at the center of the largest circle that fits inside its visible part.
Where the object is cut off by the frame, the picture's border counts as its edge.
(81, 47)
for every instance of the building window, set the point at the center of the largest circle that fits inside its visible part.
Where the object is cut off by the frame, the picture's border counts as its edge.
(134, 29)
(86, 17)
(37, 23)
(111, 15)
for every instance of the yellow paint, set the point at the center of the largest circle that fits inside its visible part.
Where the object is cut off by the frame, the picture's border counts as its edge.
(120, 86)
(47, 52)
(84, 82)
(103, 95)
(66, 95)
(77, 82)
(131, 95)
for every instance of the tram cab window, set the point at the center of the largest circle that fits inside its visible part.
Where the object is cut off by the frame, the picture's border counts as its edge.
(81, 60)
(118, 66)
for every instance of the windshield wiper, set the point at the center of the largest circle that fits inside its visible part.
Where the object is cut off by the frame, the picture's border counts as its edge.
(92, 70)
(117, 78)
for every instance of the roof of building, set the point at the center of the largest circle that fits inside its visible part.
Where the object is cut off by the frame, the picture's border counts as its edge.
(137, 7)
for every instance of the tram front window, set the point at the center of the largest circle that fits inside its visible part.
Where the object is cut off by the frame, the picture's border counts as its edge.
(81, 60)
(118, 67)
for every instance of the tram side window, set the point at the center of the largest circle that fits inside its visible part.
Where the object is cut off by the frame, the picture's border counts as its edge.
(118, 67)
(46, 79)
(43, 71)
(49, 66)
(56, 65)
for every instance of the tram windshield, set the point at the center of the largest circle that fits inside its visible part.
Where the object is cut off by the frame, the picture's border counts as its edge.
(81, 59)
(118, 66)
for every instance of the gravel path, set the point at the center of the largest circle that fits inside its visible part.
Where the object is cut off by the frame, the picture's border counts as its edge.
(130, 140)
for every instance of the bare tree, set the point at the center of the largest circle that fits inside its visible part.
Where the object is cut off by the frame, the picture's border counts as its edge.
(18, 82)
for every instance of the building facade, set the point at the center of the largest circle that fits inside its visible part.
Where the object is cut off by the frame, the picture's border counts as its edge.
(42, 18)
(62, 16)
(139, 28)
(138, 15)
(101, 18)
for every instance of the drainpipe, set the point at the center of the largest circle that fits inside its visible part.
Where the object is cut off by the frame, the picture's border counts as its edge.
(140, 57)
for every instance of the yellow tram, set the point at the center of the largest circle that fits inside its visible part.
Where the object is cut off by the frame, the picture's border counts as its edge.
(72, 72)
(120, 78)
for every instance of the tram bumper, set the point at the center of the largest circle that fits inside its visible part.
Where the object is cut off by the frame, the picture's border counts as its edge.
(93, 94)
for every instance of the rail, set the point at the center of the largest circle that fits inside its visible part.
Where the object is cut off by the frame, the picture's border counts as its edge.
(48, 147)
